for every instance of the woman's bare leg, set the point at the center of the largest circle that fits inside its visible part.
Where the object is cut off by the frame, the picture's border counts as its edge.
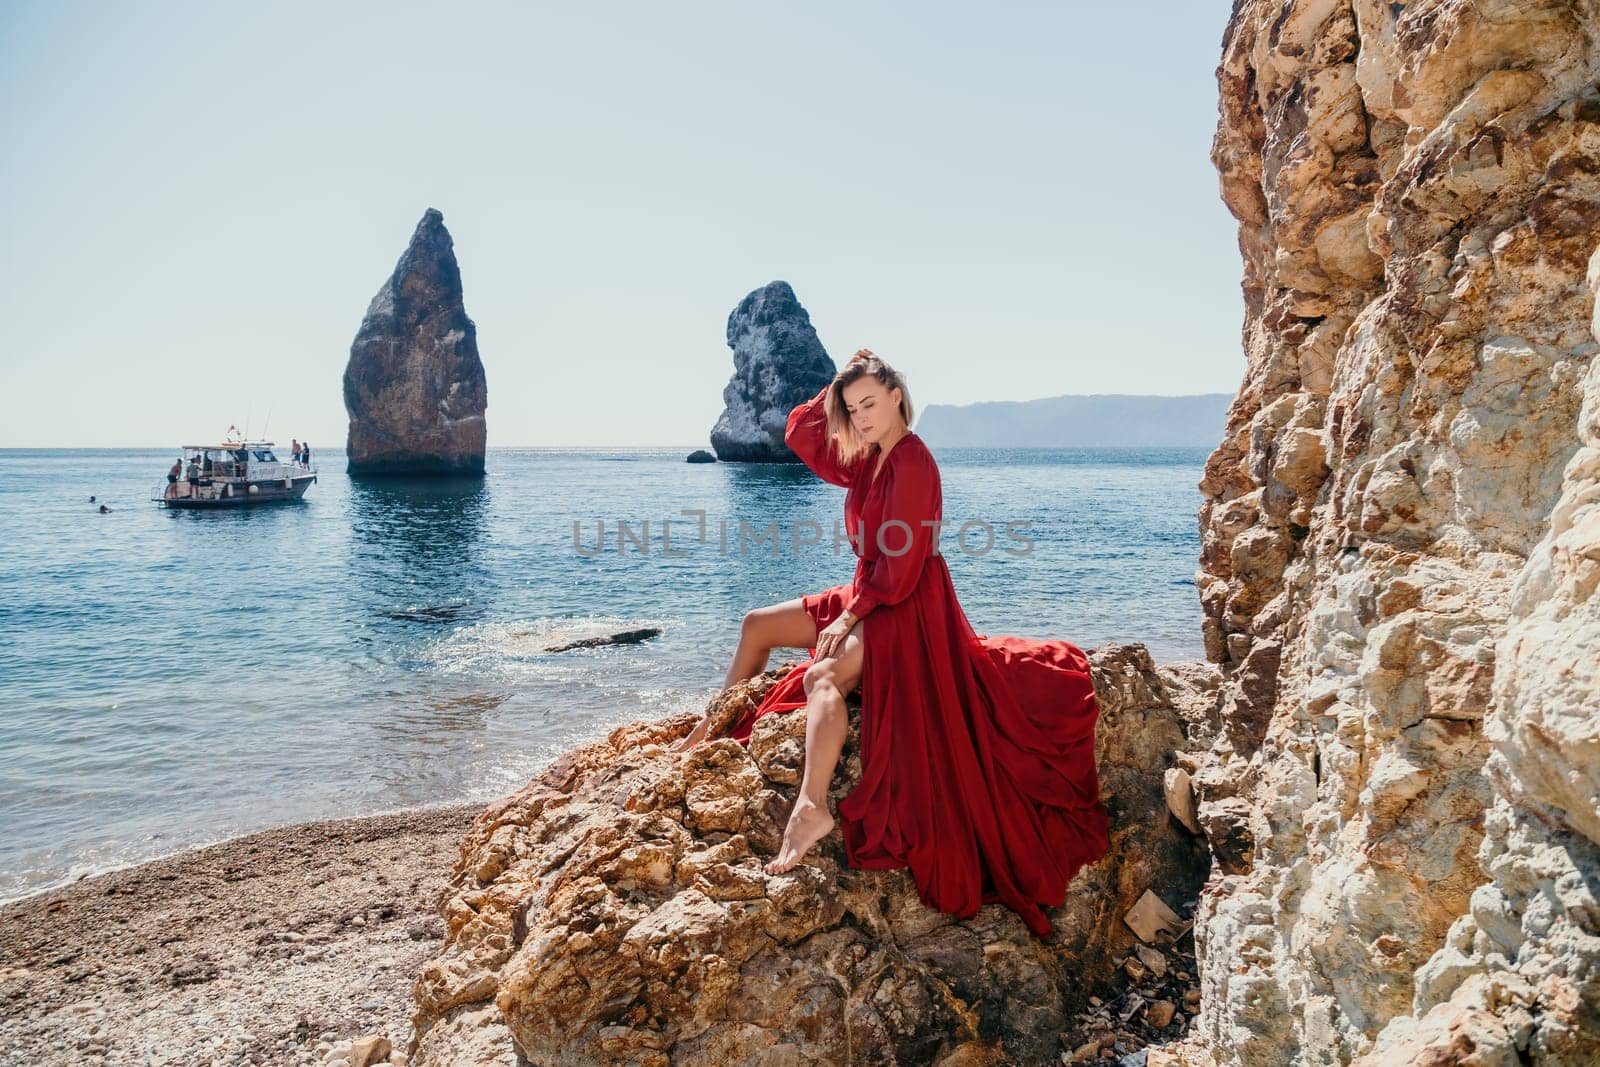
(828, 682)
(785, 625)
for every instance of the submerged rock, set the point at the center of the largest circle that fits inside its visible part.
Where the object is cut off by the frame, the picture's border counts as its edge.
(624, 637)
(778, 362)
(700, 455)
(414, 387)
(615, 910)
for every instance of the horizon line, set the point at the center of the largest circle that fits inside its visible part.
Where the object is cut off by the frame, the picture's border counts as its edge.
(523, 448)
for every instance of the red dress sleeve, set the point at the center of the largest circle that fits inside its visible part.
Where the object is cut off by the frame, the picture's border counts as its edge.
(808, 437)
(912, 495)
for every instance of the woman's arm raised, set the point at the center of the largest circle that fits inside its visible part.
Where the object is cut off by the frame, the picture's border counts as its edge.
(807, 435)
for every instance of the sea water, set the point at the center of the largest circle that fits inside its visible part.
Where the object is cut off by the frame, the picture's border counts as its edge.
(170, 678)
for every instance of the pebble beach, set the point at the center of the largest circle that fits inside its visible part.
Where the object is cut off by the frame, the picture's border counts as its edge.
(280, 947)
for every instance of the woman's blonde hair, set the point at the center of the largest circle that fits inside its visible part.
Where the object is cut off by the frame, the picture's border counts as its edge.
(862, 365)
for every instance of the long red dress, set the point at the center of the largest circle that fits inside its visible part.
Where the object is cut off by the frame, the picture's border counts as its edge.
(977, 753)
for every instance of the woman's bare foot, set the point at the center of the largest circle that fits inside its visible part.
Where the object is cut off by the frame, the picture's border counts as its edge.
(808, 824)
(692, 738)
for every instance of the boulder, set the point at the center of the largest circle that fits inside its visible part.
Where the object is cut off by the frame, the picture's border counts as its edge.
(615, 909)
(777, 363)
(414, 387)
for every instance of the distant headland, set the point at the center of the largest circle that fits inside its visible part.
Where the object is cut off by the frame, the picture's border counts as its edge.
(1079, 421)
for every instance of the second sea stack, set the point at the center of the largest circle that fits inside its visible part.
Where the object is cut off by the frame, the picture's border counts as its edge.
(778, 362)
(414, 387)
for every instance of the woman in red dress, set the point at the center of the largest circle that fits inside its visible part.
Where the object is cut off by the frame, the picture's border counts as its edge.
(977, 753)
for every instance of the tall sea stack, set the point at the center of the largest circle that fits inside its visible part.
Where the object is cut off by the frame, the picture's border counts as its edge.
(414, 387)
(777, 363)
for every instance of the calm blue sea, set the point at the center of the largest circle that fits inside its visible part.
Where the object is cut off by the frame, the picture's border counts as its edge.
(173, 678)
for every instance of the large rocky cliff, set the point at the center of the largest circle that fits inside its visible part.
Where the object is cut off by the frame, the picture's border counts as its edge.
(1401, 536)
(414, 387)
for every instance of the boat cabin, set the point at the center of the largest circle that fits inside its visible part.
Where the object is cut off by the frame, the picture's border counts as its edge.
(249, 460)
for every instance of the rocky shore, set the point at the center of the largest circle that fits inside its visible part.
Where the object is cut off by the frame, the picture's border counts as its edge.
(406, 937)
(281, 947)
(615, 911)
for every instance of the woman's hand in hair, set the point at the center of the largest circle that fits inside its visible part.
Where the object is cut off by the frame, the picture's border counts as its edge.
(861, 354)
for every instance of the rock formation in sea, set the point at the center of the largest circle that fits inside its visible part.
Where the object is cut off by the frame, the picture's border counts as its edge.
(414, 387)
(1401, 540)
(778, 362)
(615, 910)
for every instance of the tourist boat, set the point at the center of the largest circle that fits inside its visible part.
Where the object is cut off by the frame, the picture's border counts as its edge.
(235, 473)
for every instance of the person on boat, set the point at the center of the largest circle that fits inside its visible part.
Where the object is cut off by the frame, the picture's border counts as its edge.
(977, 752)
(194, 475)
(294, 451)
(305, 453)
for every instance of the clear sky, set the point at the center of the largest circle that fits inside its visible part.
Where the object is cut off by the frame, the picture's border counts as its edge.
(1006, 201)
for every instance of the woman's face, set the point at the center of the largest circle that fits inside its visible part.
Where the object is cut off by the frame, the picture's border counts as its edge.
(874, 410)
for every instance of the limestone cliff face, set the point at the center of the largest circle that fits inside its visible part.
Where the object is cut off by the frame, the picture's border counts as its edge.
(778, 362)
(1401, 539)
(414, 387)
(615, 910)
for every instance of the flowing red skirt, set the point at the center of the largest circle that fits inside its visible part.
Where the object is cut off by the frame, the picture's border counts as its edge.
(977, 754)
